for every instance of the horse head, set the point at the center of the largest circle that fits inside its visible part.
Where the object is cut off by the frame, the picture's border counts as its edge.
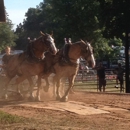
(87, 53)
(49, 43)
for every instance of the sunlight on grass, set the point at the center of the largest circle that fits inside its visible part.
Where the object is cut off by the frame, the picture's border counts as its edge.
(8, 118)
(91, 86)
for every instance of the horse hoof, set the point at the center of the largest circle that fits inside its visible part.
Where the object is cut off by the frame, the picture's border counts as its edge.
(20, 96)
(64, 99)
(31, 99)
(38, 99)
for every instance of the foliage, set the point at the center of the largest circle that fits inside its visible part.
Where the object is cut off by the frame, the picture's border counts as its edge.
(115, 41)
(91, 21)
(115, 17)
(7, 36)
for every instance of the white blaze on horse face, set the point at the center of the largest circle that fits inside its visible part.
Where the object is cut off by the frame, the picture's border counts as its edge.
(93, 61)
(92, 57)
(51, 40)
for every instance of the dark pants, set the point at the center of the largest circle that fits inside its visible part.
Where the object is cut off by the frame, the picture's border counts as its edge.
(102, 83)
(120, 79)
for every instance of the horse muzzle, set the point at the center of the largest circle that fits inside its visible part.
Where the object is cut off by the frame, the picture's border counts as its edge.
(53, 51)
(92, 64)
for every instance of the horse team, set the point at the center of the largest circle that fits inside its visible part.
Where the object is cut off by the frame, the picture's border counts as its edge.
(42, 58)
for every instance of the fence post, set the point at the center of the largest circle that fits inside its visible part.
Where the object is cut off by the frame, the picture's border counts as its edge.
(97, 83)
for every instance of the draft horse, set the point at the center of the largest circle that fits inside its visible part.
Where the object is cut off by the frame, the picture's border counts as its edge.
(70, 69)
(27, 66)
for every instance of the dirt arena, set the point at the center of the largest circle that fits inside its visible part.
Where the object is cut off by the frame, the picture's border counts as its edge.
(114, 108)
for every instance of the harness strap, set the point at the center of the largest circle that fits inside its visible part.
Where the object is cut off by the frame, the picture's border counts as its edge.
(65, 52)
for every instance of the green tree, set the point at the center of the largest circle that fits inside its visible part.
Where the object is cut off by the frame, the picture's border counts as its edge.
(114, 17)
(7, 36)
(76, 19)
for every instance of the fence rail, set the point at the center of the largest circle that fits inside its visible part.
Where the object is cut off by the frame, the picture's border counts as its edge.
(89, 81)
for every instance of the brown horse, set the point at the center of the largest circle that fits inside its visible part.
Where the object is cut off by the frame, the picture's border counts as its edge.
(27, 66)
(70, 69)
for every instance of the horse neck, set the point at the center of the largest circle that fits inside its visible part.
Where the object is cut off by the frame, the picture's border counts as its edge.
(38, 49)
(74, 52)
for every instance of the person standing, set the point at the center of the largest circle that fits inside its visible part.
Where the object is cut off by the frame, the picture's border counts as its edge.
(101, 77)
(119, 77)
(7, 52)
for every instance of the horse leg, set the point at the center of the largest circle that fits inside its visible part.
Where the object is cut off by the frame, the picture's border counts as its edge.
(19, 94)
(72, 88)
(38, 89)
(4, 94)
(71, 83)
(21, 79)
(62, 86)
(56, 83)
(54, 87)
(57, 90)
(47, 84)
(31, 97)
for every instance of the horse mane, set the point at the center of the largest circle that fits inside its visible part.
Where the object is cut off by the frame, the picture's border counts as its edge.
(80, 42)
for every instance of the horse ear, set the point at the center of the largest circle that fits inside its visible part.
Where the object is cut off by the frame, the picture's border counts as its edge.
(28, 38)
(51, 33)
(82, 41)
(42, 33)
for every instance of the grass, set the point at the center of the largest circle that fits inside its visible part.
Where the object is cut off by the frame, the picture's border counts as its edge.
(92, 86)
(6, 118)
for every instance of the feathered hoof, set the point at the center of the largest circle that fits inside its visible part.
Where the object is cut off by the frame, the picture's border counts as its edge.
(64, 99)
(30, 98)
(58, 98)
(37, 99)
(19, 96)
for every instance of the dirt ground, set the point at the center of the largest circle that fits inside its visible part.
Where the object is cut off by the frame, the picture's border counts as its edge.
(118, 118)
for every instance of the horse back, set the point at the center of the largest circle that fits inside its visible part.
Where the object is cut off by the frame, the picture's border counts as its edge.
(12, 61)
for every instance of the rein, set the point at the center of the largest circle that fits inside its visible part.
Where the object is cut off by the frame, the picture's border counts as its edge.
(34, 56)
(32, 52)
(71, 61)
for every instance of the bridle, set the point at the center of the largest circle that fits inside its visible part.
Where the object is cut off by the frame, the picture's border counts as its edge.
(90, 52)
(45, 44)
(45, 41)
